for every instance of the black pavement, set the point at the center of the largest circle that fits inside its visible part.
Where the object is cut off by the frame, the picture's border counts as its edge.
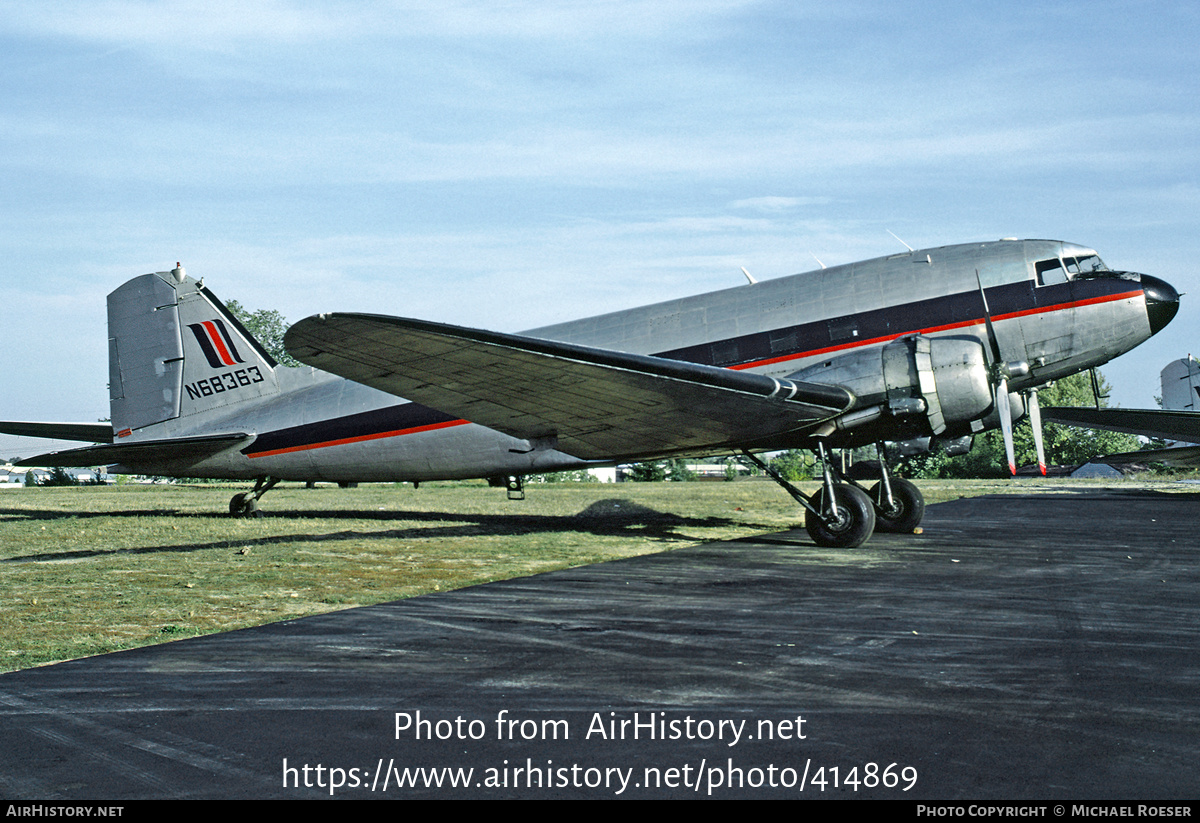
(1031, 646)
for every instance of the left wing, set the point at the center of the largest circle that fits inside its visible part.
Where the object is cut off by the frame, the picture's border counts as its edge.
(592, 403)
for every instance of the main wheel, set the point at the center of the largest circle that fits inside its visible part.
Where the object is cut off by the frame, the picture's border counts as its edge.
(238, 505)
(853, 524)
(906, 511)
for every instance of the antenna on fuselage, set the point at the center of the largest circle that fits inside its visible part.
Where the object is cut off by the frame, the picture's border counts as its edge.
(893, 234)
(749, 276)
(819, 263)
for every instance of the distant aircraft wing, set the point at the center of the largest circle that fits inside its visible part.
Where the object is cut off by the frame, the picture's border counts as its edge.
(150, 455)
(596, 403)
(88, 432)
(1182, 456)
(1163, 423)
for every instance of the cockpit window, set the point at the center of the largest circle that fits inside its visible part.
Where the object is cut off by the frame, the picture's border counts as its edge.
(1084, 265)
(1054, 271)
(1050, 272)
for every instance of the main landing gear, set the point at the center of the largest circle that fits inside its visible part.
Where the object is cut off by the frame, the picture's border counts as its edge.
(899, 505)
(245, 504)
(844, 515)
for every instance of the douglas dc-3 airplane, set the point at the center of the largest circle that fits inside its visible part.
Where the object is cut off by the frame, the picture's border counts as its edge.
(1177, 420)
(940, 343)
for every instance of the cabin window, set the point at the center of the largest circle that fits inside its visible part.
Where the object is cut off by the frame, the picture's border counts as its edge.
(725, 352)
(843, 330)
(784, 342)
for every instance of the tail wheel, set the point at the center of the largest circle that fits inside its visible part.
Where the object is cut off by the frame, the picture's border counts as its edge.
(906, 511)
(244, 505)
(853, 523)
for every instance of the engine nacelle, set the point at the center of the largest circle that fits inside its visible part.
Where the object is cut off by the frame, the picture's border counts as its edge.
(932, 383)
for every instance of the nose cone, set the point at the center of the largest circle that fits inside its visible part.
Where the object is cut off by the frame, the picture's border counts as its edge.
(1162, 302)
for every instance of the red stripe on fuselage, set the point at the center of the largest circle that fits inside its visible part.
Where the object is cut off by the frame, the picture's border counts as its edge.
(362, 438)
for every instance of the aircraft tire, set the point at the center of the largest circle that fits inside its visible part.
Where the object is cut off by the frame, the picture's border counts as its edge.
(237, 506)
(856, 519)
(907, 510)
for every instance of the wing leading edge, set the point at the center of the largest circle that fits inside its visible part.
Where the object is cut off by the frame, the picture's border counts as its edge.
(592, 403)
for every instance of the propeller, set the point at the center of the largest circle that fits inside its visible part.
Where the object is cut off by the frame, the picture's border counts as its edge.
(1035, 420)
(1001, 372)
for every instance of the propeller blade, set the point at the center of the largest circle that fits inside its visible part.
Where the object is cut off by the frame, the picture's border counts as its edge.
(1035, 420)
(987, 320)
(1004, 406)
(999, 381)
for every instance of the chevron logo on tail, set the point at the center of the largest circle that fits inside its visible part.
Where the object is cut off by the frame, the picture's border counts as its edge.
(216, 343)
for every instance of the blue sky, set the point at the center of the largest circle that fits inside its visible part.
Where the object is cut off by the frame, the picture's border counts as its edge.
(511, 164)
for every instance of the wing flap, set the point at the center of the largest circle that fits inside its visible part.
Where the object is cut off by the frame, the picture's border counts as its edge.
(151, 454)
(595, 403)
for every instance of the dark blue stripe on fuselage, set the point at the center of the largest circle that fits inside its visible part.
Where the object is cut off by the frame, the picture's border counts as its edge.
(393, 418)
(890, 321)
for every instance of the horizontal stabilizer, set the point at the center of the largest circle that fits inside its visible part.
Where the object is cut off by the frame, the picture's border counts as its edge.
(593, 403)
(87, 432)
(1163, 423)
(151, 453)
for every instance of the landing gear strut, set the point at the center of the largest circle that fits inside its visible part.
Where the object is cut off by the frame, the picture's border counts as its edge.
(245, 504)
(838, 515)
(891, 505)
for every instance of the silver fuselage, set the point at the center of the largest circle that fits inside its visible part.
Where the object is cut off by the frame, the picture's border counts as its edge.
(310, 425)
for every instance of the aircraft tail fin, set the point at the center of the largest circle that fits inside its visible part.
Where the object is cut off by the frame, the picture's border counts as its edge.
(176, 353)
(1181, 385)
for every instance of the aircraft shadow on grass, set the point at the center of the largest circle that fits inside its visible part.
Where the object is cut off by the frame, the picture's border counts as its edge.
(604, 518)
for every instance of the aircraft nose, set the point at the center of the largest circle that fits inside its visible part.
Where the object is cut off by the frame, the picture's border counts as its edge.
(1162, 302)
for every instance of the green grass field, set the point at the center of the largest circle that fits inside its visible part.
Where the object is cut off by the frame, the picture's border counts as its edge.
(95, 569)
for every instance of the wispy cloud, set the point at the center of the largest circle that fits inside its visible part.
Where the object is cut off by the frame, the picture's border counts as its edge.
(189, 25)
(773, 203)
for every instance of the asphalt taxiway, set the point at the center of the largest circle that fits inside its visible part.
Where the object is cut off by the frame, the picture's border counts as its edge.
(1025, 646)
